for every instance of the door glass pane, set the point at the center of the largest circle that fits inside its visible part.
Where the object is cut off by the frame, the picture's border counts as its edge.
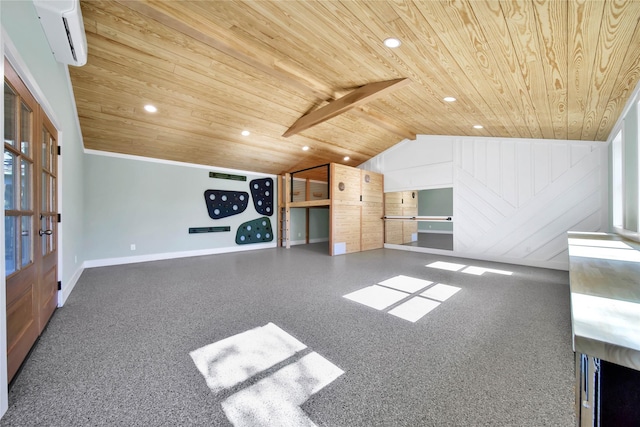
(52, 202)
(9, 179)
(25, 185)
(27, 240)
(25, 129)
(45, 151)
(10, 246)
(44, 185)
(10, 115)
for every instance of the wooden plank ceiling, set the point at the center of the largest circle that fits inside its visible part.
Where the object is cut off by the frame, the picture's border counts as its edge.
(528, 69)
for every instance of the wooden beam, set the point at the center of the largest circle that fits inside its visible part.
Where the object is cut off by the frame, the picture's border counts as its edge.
(354, 99)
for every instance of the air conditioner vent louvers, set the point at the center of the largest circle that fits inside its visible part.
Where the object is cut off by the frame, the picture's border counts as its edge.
(66, 29)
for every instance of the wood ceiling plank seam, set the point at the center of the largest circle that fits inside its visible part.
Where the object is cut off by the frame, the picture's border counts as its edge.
(197, 132)
(211, 65)
(522, 29)
(310, 32)
(615, 37)
(625, 84)
(438, 119)
(583, 34)
(498, 35)
(136, 30)
(467, 102)
(280, 62)
(222, 41)
(552, 38)
(171, 91)
(461, 45)
(190, 142)
(409, 70)
(493, 65)
(379, 119)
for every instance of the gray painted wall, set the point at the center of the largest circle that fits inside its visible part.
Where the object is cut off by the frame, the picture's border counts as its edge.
(153, 205)
(436, 202)
(318, 225)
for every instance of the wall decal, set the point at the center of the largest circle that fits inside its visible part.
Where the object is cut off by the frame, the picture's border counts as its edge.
(222, 204)
(255, 231)
(262, 192)
(196, 230)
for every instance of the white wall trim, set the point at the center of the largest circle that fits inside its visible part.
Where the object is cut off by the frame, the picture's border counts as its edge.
(173, 163)
(63, 295)
(172, 255)
(554, 265)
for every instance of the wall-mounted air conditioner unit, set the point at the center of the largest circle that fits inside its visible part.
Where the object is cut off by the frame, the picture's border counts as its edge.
(63, 26)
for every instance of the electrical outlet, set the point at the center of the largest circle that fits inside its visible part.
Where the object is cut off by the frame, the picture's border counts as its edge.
(133, 246)
(75, 259)
(299, 234)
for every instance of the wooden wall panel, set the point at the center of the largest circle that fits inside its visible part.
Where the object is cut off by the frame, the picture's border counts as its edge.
(372, 210)
(357, 209)
(345, 227)
(348, 176)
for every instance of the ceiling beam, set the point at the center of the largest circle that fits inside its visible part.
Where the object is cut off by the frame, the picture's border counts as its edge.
(354, 99)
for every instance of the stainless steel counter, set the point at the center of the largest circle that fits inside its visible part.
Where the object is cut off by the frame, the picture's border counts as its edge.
(604, 272)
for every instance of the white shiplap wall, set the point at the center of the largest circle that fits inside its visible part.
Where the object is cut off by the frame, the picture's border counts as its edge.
(513, 199)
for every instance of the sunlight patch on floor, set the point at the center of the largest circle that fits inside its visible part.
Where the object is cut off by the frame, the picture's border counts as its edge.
(275, 399)
(405, 300)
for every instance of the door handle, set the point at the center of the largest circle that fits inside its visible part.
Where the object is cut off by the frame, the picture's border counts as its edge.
(47, 232)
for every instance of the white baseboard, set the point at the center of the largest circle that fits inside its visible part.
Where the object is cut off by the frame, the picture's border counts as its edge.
(304, 242)
(436, 231)
(68, 287)
(171, 255)
(554, 265)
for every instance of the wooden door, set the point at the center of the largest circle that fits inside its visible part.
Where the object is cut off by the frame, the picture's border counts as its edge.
(30, 170)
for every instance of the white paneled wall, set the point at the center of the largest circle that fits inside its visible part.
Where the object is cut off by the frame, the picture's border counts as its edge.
(513, 199)
(516, 199)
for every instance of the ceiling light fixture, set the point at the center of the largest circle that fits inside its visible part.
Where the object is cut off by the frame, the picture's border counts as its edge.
(245, 133)
(346, 158)
(478, 126)
(305, 148)
(449, 98)
(150, 108)
(392, 42)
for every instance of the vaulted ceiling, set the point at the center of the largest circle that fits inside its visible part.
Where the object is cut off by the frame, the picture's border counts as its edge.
(528, 69)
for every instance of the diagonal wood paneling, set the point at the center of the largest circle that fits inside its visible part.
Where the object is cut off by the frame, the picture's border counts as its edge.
(559, 188)
(523, 69)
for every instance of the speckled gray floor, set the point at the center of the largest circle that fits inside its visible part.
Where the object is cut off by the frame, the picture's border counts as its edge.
(497, 353)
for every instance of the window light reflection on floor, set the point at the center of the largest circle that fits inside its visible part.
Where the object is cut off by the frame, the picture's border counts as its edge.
(476, 271)
(404, 300)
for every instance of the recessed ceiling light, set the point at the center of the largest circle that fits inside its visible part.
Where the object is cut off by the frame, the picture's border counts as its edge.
(150, 108)
(449, 98)
(478, 126)
(305, 148)
(245, 133)
(346, 158)
(392, 42)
